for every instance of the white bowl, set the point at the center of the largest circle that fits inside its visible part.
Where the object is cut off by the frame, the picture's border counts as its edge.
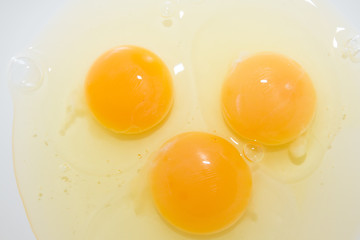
(20, 22)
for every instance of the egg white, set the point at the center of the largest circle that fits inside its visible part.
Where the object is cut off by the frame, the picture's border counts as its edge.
(80, 181)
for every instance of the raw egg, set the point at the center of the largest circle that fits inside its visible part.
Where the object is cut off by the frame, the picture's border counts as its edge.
(189, 120)
(200, 183)
(268, 98)
(129, 89)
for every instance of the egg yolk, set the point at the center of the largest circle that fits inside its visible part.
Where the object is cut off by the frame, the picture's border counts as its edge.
(129, 89)
(200, 184)
(269, 98)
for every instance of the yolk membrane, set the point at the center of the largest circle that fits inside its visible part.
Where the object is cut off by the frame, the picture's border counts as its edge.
(268, 98)
(199, 182)
(129, 89)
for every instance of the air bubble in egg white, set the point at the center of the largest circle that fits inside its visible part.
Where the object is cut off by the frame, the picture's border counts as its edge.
(348, 42)
(25, 74)
(64, 167)
(169, 9)
(352, 48)
(253, 151)
(297, 149)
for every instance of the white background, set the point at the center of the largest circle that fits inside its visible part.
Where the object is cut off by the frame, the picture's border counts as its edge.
(20, 22)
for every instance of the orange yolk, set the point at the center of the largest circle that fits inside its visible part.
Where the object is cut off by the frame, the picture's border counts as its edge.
(129, 89)
(269, 98)
(200, 183)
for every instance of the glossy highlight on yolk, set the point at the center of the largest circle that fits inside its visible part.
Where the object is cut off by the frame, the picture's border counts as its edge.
(129, 89)
(199, 182)
(268, 98)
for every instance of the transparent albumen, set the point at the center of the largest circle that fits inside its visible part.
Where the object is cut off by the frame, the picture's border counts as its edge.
(79, 180)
